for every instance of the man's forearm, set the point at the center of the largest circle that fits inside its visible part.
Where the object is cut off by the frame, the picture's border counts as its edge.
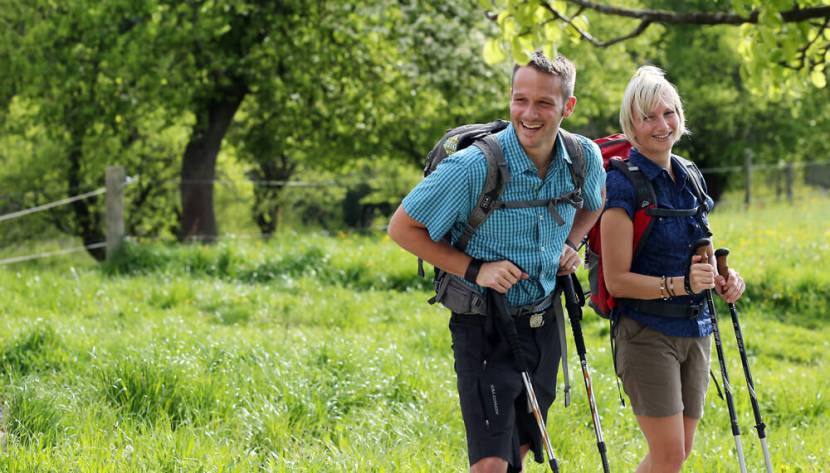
(412, 236)
(583, 221)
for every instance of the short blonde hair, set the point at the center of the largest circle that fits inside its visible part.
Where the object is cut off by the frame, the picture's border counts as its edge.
(646, 89)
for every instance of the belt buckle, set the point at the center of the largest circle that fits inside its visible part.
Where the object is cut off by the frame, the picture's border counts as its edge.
(537, 320)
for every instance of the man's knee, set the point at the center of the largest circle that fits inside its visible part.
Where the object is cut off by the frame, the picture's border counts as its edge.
(489, 465)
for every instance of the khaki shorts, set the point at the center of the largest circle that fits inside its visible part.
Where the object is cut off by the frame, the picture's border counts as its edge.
(662, 375)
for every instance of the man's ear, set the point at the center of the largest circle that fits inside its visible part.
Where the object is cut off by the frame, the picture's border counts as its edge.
(569, 107)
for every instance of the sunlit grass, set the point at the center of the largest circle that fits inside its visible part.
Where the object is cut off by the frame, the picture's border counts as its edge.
(318, 353)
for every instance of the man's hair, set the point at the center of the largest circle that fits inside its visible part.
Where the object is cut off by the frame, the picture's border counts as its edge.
(646, 89)
(560, 67)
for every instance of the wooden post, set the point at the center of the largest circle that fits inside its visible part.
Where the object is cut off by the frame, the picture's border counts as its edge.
(788, 174)
(748, 177)
(115, 209)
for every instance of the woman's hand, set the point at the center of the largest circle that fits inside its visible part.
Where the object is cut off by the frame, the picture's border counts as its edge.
(730, 288)
(701, 275)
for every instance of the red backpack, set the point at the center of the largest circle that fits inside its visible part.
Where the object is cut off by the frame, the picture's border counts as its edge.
(615, 149)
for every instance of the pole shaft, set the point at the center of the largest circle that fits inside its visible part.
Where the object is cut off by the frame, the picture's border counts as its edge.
(575, 314)
(753, 397)
(727, 388)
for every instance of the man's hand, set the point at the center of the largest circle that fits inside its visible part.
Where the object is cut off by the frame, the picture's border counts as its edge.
(569, 261)
(500, 275)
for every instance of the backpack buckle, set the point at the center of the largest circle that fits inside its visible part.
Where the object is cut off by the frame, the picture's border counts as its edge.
(486, 202)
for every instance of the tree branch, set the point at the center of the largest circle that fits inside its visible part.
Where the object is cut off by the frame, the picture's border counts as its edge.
(794, 15)
(587, 36)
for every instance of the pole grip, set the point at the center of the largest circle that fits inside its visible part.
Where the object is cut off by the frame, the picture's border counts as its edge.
(723, 266)
(701, 247)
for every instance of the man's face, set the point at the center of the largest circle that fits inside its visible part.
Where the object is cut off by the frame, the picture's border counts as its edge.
(536, 110)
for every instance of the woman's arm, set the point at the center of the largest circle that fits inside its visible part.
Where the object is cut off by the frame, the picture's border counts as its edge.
(617, 234)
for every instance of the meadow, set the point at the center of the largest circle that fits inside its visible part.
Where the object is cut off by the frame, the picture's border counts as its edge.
(319, 353)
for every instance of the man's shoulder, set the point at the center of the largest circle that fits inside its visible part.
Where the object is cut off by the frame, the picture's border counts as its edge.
(588, 145)
(469, 161)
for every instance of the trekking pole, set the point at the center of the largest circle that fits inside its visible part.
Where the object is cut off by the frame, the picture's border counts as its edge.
(723, 270)
(700, 247)
(575, 314)
(509, 331)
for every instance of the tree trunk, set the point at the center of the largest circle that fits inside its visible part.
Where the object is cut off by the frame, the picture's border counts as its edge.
(198, 221)
(271, 176)
(88, 221)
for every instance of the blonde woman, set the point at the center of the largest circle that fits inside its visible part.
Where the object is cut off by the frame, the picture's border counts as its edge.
(662, 325)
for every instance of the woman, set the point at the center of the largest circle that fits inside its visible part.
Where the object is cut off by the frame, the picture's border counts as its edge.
(663, 360)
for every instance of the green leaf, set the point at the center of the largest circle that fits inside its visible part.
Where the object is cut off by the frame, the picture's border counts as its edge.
(819, 79)
(493, 53)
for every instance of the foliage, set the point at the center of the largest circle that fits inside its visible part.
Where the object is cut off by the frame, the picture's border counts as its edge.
(783, 45)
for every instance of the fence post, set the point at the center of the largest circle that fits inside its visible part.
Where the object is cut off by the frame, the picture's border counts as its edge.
(748, 177)
(115, 208)
(788, 174)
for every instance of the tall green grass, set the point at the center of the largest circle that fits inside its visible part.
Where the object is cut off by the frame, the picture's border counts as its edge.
(315, 353)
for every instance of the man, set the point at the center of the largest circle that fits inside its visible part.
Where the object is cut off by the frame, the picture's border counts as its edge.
(517, 252)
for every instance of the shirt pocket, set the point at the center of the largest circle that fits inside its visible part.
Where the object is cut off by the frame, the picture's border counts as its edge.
(667, 245)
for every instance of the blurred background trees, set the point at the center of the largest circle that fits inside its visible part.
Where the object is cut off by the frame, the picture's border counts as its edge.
(320, 113)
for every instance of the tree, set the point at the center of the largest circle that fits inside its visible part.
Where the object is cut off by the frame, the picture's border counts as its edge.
(784, 45)
(73, 75)
(383, 80)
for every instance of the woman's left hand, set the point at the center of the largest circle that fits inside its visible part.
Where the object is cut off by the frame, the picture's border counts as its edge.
(731, 288)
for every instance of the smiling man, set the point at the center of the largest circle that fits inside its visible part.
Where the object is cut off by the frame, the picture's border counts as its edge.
(518, 251)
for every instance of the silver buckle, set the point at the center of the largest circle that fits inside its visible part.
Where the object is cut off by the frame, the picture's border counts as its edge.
(537, 320)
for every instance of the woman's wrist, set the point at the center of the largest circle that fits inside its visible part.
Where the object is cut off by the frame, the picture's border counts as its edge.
(687, 286)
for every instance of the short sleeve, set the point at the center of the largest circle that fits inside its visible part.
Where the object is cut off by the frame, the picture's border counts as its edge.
(594, 175)
(619, 193)
(444, 197)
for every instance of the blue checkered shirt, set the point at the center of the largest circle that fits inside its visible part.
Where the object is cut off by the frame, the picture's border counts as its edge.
(529, 237)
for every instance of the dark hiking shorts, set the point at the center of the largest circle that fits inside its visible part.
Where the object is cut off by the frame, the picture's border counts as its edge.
(490, 388)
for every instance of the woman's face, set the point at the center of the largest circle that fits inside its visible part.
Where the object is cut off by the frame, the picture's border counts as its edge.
(655, 134)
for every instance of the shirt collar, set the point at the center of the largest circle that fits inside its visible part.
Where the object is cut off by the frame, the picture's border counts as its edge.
(652, 170)
(522, 162)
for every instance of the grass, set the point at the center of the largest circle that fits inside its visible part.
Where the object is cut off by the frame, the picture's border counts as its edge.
(318, 353)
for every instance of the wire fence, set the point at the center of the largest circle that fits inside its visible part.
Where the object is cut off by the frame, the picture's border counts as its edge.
(749, 186)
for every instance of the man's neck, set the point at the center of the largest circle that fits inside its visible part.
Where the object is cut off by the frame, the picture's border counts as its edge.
(542, 158)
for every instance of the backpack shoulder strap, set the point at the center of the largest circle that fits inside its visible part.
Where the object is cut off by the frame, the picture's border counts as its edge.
(697, 179)
(643, 190)
(577, 154)
(697, 184)
(498, 175)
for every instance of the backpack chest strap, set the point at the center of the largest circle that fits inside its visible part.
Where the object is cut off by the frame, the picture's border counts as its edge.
(572, 198)
(660, 212)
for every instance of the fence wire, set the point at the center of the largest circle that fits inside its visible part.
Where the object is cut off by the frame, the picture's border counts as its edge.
(234, 199)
